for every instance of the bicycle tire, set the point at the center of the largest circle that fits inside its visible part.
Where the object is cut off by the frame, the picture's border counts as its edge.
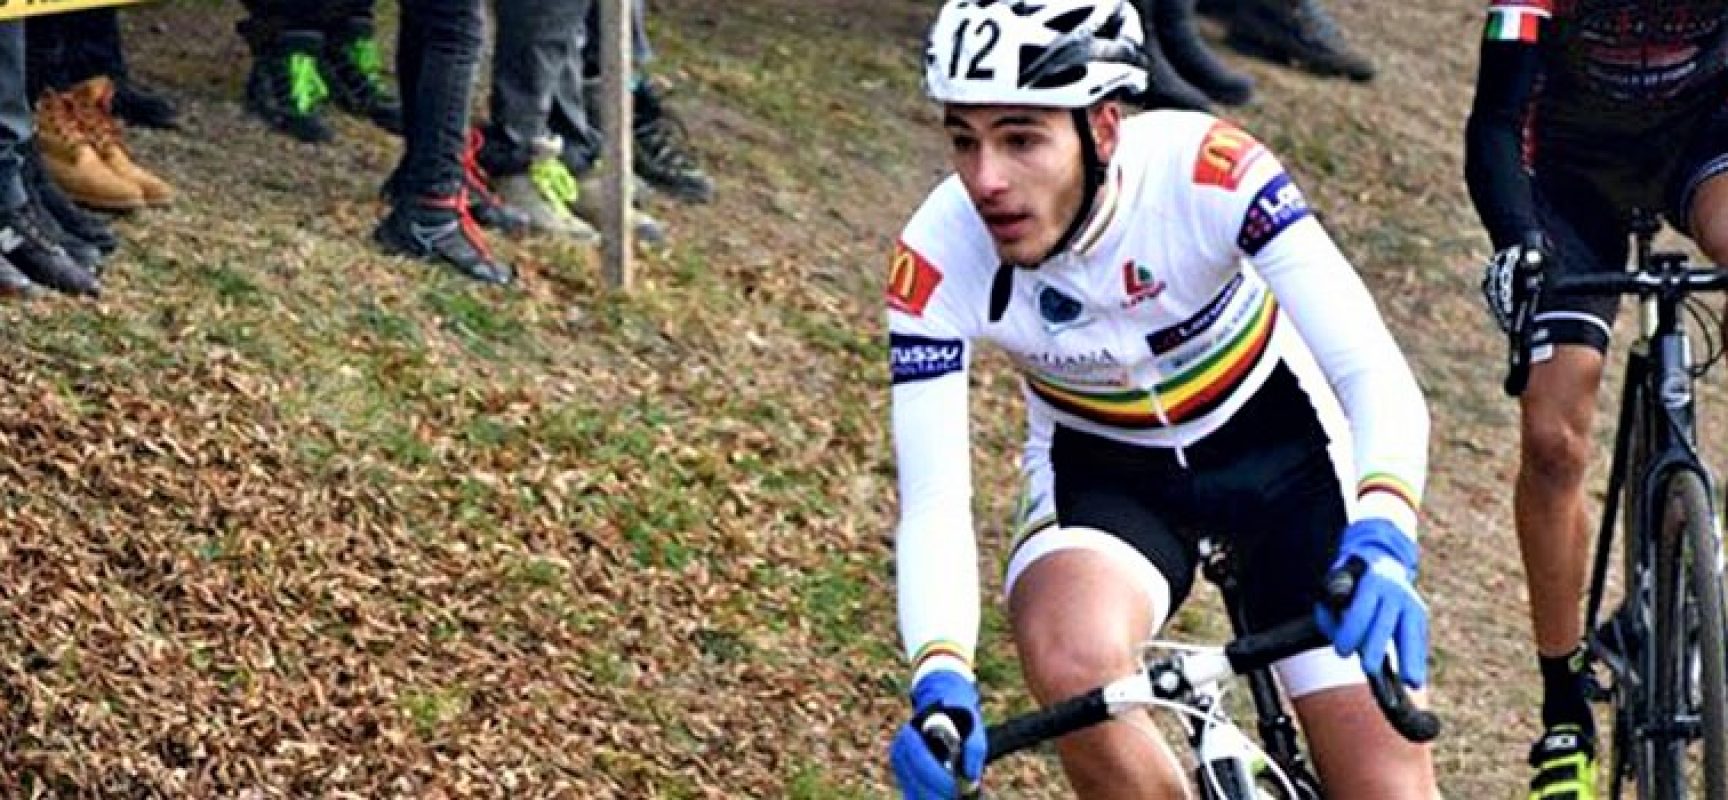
(1686, 519)
(1704, 561)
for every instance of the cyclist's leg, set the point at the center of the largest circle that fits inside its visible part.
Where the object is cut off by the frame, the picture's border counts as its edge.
(1699, 203)
(1093, 576)
(1550, 511)
(1290, 507)
(1557, 412)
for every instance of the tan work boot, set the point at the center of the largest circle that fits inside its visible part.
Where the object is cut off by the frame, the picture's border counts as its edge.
(93, 100)
(72, 161)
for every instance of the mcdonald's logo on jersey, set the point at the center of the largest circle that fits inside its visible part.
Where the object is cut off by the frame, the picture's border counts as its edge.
(1225, 155)
(911, 281)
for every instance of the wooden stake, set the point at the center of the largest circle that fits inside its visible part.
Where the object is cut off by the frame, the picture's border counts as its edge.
(615, 79)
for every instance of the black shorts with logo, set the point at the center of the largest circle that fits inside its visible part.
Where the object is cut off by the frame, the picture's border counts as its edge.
(1587, 185)
(1264, 484)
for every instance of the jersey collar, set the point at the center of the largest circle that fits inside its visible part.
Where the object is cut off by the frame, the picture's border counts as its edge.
(1103, 218)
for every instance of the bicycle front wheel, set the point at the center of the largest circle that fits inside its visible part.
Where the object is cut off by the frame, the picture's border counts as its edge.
(1689, 697)
(1706, 614)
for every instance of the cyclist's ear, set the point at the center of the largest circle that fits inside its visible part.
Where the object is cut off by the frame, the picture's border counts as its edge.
(1106, 117)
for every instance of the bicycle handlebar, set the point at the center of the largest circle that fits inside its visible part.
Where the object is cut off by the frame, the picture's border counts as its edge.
(1668, 275)
(1169, 678)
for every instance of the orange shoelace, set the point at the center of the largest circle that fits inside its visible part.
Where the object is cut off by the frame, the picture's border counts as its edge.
(56, 114)
(96, 118)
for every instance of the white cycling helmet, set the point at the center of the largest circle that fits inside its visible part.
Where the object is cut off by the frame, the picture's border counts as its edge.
(1050, 53)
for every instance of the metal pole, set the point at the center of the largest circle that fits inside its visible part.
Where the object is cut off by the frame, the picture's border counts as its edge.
(615, 76)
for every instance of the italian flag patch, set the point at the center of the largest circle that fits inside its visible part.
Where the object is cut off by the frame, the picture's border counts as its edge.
(1513, 23)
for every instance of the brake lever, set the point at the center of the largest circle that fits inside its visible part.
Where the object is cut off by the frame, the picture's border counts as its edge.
(1415, 724)
(1527, 284)
(1418, 725)
(942, 736)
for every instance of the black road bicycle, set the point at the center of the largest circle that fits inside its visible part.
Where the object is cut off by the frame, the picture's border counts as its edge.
(1663, 650)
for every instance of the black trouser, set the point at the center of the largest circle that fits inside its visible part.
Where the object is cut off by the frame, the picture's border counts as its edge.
(16, 124)
(538, 40)
(437, 53)
(266, 20)
(67, 49)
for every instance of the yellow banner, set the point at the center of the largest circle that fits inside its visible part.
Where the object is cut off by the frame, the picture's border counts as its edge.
(16, 9)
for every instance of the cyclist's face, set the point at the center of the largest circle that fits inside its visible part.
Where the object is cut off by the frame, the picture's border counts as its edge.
(1021, 167)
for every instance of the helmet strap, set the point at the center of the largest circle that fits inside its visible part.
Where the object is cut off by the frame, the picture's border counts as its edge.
(1093, 175)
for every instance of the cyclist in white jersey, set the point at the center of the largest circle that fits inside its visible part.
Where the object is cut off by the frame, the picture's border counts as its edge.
(1198, 359)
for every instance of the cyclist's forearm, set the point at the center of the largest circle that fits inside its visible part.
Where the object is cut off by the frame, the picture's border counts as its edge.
(1387, 413)
(1494, 145)
(936, 555)
(936, 571)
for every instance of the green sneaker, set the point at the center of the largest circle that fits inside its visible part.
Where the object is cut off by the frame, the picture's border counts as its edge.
(545, 194)
(1565, 763)
(357, 81)
(286, 89)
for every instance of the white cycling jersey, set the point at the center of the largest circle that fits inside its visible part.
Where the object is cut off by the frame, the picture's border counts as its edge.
(1201, 269)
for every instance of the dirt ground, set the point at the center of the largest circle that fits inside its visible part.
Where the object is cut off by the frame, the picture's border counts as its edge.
(286, 517)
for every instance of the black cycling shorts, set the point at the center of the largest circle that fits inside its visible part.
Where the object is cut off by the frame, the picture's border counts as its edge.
(1264, 484)
(1584, 198)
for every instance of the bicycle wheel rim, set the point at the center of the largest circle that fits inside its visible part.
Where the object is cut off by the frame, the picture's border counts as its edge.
(1709, 611)
(1685, 505)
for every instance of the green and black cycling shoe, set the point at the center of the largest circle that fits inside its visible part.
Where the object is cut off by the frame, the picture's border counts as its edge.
(1565, 763)
(354, 73)
(286, 89)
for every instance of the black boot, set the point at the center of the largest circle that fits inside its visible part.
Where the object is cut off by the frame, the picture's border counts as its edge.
(83, 253)
(286, 89)
(440, 230)
(1165, 89)
(1296, 31)
(355, 74)
(140, 106)
(662, 153)
(14, 283)
(73, 220)
(27, 244)
(1174, 22)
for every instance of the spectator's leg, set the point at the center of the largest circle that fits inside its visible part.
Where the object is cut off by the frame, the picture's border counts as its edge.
(353, 67)
(569, 120)
(285, 87)
(537, 40)
(96, 43)
(94, 50)
(24, 241)
(437, 56)
(573, 119)
(1171, 24)
(47, 50)
(662, 153)
(1298, 31)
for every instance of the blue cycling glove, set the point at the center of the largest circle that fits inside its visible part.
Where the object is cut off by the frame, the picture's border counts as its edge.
(1386, 608)
(920, 775)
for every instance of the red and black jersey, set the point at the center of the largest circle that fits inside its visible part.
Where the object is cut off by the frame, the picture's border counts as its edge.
(1588, 83)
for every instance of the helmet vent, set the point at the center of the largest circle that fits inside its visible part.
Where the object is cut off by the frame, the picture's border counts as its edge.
(1066, 23)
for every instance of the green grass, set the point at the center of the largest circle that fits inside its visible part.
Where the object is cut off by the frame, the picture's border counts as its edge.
(430, 710)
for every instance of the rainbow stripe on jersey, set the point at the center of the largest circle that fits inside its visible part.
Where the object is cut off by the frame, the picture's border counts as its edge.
(1187, 395)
